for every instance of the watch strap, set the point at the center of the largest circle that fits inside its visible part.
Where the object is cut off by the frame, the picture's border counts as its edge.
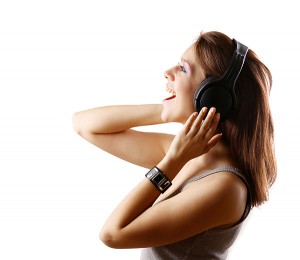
(159, 179)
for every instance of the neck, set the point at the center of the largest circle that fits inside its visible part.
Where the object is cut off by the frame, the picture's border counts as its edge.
(219, 155)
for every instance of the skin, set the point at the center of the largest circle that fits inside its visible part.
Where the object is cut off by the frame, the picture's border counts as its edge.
(183, 79)
(216, 201)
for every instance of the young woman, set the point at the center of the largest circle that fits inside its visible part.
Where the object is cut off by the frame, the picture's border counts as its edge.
(212, 172)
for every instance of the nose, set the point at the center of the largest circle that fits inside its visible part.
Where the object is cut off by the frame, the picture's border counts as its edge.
(169, 74)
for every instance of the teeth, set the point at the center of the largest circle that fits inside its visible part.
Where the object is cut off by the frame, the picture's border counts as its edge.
(171, 91)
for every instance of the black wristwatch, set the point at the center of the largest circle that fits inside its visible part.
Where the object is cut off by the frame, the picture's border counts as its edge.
(159, 179)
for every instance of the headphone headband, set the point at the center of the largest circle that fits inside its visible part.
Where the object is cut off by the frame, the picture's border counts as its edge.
(219, 92)
(235, 65)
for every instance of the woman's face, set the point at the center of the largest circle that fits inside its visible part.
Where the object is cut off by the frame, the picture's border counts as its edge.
(182, 81)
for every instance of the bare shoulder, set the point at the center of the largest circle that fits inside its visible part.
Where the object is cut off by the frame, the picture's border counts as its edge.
(225, 192)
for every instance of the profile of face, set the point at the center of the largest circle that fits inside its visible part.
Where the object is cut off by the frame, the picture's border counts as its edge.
(182, 82)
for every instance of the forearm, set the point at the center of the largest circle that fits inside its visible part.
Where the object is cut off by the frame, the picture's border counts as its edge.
(112, 119)
(135, 203)
(134, 214)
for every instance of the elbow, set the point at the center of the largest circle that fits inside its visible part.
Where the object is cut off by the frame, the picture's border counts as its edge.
(106, 238)
(76, 123)
(110, 239)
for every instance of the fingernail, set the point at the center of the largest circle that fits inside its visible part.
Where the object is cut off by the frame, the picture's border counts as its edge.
(212, 110)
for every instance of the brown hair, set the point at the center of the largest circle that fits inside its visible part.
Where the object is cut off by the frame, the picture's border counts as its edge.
(249, 131)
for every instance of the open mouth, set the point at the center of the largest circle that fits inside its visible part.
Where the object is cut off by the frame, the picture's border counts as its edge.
(169, 98)
(172, 92)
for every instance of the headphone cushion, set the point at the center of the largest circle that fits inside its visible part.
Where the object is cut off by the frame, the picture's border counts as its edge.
(201, 89)
(218, 97)
(212, 93)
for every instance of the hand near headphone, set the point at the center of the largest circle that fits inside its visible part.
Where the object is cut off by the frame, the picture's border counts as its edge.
(196, 137)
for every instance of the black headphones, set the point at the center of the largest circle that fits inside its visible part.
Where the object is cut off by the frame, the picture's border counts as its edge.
(219, 92)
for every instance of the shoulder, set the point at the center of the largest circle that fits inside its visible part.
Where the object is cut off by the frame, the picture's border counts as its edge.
(225, 195)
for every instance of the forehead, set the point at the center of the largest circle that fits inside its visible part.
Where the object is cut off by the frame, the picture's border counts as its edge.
(190, 55)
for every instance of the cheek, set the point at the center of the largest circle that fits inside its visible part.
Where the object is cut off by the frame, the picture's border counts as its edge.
(186, 96)
(185, 88)
(185, 107)
(179, 109)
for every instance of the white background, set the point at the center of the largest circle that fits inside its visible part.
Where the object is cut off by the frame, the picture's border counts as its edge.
(61, 56)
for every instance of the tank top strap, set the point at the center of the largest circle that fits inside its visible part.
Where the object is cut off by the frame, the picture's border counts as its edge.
(216, 170)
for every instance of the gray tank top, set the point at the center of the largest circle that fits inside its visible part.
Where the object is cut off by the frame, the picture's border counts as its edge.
(211, 244)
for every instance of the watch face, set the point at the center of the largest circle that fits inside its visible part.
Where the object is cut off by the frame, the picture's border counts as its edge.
(158, 178)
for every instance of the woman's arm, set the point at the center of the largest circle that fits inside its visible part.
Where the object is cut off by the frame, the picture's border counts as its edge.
(109, 128)
(134, 223)
(113, 119)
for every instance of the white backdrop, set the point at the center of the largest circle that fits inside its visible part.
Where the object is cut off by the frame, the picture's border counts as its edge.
(61, 56)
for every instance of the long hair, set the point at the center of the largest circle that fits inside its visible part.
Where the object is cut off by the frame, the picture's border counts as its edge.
(249, 132)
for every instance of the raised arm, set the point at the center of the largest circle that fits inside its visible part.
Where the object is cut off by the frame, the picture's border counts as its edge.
(109, 128)
(220, 202)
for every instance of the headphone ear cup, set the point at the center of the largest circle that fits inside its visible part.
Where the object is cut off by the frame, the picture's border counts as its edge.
(212, 93)
(200, 90)
(218, 97)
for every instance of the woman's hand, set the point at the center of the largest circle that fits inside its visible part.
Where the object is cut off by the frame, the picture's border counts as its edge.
(196, 137)
(134, 223)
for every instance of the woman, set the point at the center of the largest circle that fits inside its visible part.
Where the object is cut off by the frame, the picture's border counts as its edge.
(208, 176)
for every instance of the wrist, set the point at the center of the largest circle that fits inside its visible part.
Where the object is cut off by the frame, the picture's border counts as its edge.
(158, 108)
(170, 167)
(148, 114)
(159, 179)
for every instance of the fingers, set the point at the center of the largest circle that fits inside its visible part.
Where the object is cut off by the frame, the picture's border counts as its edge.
(196, 126)
(214, 120)
(188, 124)
(208, 120)
(208, 125)
(198, 134)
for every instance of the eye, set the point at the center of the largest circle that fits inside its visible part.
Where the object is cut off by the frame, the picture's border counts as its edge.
(182, 68)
